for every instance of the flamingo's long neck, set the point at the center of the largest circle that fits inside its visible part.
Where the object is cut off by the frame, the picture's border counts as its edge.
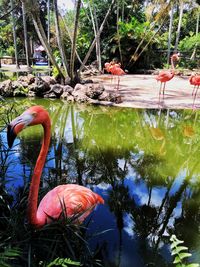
(172, 64)
(35, 181)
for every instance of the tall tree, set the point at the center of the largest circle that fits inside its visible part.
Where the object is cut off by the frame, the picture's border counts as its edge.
(14, 35)
(170, 34)
(32, 8)
(197, 31)
(25, 36)
(181, 5)
(59, 38)
(73, 50)
(98, 34)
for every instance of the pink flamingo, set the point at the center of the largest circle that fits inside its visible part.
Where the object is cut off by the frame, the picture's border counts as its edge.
(117, 70)
(165, 76)
(192, 82)
(195, 80)
(71, 199)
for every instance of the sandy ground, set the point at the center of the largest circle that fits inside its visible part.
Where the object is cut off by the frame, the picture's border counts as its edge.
(142, 91)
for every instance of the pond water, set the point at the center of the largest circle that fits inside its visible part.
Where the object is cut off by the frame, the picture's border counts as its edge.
(144, 163)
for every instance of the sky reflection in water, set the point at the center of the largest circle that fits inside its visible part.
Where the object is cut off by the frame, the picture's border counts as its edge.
(145, 164)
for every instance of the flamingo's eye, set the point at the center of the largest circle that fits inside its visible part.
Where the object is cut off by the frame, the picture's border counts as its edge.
(34, 114)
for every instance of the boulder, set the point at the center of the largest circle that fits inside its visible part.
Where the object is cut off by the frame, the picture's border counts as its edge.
(79, 93)
(29, 79)
(6, 88)
(105, 96)
(66, 96)
(48, 79)
(57, 89)
(40, 87)
(94, 90)
(68, 89)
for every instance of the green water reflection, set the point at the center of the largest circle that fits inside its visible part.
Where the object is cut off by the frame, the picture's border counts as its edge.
(145, 163)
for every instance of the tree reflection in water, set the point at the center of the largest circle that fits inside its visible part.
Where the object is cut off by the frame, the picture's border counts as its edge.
(144, 162)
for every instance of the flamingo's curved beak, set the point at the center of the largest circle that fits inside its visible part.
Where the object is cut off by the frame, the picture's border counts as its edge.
(17, 125)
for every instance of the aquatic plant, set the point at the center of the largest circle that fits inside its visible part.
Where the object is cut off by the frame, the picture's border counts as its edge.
(180, 253)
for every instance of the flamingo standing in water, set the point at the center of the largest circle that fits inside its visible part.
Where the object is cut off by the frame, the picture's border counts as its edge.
(165, 76)
(71, 199)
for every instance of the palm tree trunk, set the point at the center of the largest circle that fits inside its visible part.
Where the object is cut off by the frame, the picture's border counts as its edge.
(48, 26)
(14, 35)
(98, 34)
(197, 31)
(95, 28)
(25, 36)
(59, 39)
(70, 37)
(33, 9)
(170, 36)
(118, 36)
(179, 26)
(72, 58)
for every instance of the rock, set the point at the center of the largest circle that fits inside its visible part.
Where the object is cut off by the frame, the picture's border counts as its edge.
(31, 93)
(68, 89)
(57, 89)
(48, 79)
(6, 88)
(79, 93)
(94, 90)
(50, 95)
(40, 87)
(105, 96)
(116, 98)
(66, 96)
(29, 79)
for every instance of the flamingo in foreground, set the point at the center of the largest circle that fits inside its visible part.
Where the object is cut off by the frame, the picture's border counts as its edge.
(71, 199)
(165, 76)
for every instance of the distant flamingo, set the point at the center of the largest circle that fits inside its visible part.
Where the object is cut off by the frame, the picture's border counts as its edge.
(195, 80)
(165, 76)
(117, 70)
(71, 198)
(192, 82)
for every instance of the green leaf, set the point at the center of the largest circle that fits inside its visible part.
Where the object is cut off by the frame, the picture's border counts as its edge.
(185, 255)
(176, 243)
(177, 260)
(178, 249)
(193, 265)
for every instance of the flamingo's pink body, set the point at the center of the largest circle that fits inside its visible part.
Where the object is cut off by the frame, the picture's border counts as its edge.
(195, 80)
(114, 69)
(165, 76)
(75, 198)
(70, 199)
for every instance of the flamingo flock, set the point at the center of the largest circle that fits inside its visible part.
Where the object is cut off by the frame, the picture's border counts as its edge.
(115, 69)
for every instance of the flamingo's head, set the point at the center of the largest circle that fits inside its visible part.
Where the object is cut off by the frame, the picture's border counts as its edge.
(32, 116)
(176, 56)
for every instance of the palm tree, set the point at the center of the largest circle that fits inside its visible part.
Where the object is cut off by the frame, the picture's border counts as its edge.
(25, 36)
(14, 35)
(197, 31)
(33, 10)
(73, 50)
(59, 39)
(181, 5)
(98, 34)
(170, 34)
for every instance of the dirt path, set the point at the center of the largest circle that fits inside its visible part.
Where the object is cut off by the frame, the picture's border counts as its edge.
(141, 91)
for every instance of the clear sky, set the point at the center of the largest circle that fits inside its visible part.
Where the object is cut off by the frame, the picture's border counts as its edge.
(65, 4)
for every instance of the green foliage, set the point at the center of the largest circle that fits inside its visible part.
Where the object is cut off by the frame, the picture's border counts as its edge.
(21, 91)
(7, 255)
(180, 253)
(63, 263)
(189, 42)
